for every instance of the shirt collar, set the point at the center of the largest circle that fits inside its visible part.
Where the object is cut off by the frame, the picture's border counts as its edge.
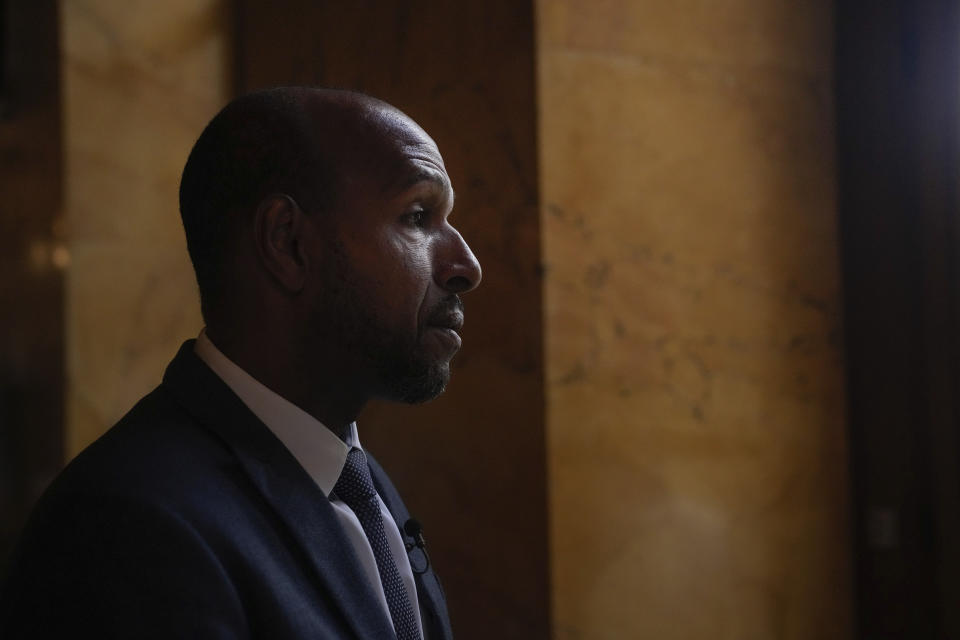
(318, 450)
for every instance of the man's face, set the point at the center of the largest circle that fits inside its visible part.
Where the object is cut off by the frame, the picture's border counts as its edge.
(393, 266)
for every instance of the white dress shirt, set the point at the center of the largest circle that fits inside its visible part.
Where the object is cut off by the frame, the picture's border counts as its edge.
(322, 454)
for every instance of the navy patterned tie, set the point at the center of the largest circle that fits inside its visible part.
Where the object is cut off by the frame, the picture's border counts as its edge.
(355, 488)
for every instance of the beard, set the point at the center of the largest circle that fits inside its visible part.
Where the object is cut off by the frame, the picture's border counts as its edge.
(401, 370)
(392, 361)
(412, 381)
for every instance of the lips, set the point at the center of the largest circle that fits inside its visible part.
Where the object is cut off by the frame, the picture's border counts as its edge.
(444, 325)
(452, 321)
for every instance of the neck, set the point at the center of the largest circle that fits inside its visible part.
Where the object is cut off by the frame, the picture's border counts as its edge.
(323, 392)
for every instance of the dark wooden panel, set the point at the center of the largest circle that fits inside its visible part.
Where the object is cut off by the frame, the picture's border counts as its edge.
(472, 463)
(898, 71)
(31, 285)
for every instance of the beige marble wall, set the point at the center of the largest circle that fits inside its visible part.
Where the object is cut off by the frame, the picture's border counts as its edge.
(694, 400)
(140, 79)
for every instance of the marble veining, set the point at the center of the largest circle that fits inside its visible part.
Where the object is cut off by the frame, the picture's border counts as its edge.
(695, 404)
(140, 80)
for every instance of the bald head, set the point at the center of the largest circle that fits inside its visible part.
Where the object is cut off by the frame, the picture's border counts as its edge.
(299, 141)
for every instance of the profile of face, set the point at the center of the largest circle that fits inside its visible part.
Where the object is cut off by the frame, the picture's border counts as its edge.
(391, 266)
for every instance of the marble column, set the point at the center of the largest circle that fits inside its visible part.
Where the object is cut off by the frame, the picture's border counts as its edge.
(695, 405)
(140, 80)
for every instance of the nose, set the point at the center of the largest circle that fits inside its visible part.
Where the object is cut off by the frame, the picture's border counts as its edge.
(459, 271)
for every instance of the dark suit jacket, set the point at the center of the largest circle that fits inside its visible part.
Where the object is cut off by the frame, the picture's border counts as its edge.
(189, 519)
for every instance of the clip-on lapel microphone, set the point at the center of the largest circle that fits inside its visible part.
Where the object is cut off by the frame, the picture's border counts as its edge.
(413, 529)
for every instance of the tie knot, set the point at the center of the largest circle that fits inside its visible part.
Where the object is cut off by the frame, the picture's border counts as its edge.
(355, 483)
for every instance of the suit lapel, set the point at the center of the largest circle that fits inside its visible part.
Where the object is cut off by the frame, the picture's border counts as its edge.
(284, 484)
(432, 601)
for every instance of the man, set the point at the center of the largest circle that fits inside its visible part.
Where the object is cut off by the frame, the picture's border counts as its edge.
(235, 500)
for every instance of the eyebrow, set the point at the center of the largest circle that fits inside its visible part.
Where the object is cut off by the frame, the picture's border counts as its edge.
(422, 174)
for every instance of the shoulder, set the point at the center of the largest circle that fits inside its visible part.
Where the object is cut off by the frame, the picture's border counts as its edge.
(157, 462)
(157, 448)
(122, 534)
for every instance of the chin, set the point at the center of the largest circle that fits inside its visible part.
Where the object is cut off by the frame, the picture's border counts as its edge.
(422, 386)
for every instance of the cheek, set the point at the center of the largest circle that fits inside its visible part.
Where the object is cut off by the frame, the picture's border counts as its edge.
(407, 280)
(407, 264)
(393, 271)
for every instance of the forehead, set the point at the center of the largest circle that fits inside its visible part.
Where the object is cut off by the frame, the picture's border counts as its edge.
(408, 156)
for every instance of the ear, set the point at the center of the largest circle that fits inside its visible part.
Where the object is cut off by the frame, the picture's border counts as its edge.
(280, 243)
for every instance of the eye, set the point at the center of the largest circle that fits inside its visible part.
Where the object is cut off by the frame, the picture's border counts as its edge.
(415, 218)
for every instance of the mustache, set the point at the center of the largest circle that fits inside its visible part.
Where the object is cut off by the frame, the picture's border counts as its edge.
(447, 313)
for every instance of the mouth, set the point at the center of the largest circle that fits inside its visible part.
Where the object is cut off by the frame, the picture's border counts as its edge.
(445, 327)
(449, 337)
(452, 321)
(447, 315)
